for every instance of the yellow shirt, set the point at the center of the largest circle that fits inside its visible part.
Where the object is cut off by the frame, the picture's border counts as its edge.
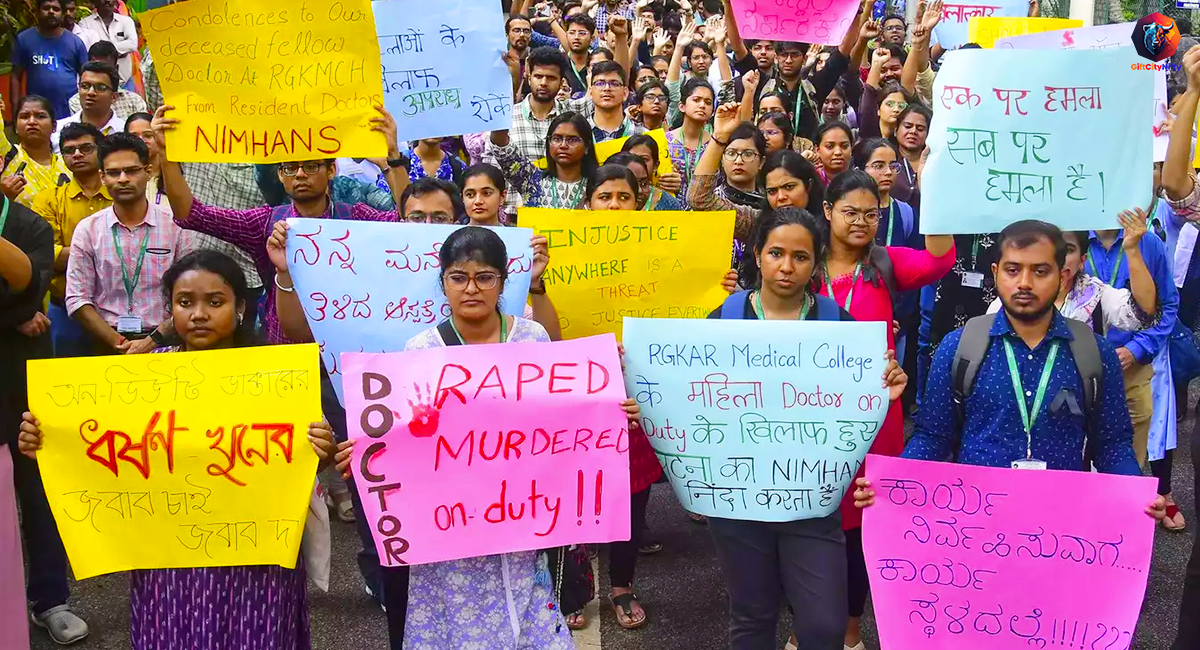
(38, 177)
(64, 206)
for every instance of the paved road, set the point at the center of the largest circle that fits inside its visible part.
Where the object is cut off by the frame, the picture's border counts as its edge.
(680, 588)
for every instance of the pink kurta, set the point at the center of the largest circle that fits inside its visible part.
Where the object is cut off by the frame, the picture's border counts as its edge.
(14, 628)
(871, 302)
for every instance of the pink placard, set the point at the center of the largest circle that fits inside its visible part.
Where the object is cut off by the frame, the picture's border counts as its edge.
(484, 449)
(807, 21)
(984, 558)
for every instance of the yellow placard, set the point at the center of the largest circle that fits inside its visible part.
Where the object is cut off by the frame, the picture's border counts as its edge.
(986, 30)
(257, 81)
(608, 148)
(190, 459)
(605, 266)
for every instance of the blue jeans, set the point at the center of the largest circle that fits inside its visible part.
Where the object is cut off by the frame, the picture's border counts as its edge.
(67, 334)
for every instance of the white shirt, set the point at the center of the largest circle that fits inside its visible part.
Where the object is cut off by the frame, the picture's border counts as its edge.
(116, 124)
(365, 171)
(87, 37)
(121, 32)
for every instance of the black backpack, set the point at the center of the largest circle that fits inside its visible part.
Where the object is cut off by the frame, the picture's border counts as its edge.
(976, 340)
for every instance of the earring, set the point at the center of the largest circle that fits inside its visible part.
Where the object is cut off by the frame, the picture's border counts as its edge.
(239, 318)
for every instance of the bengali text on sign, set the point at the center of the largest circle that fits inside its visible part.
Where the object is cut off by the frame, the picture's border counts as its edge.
(1014, 138)
(974, 557)
(808, 21)
(758, 420)
(261, 81)
(188, 459)
(369, 287)
(442, 70)
(606, 266)
(478, 450)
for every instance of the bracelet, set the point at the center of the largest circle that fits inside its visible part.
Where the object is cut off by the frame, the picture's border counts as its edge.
(291, 289)
(539, 290)
(714, 139)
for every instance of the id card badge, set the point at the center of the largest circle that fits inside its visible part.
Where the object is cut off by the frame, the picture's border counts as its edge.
(972, 279)
(1029, 463)
(129, 324)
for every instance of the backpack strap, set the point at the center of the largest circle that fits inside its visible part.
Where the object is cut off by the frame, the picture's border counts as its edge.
(827, 309)
(8, 158)
(973, 345)
(882, 262)
(449, 336)
(1098, 319)
(1086, 353)
(734, 307)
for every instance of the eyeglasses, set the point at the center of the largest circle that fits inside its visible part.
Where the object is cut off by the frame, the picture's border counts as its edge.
(790, 55)
(85, 86)
(521, 31)
(604, 83)
(769, 111)
(771, 133)
(85, 149)
(879, 165)
(123, 171)
(853, 216)
(484, 281)
(423, 217)
(310, 168)
(738, 156)
(655, 98)
(571, 140)
(891, 103)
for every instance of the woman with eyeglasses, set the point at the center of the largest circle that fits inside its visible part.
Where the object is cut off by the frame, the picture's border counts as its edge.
(866, 279)
(651, 104)
(879, 111)
(506, 601)
(831, 154)
(776, 129)
(32, 166)
(668, 185)
(570, 160)
(897, 222)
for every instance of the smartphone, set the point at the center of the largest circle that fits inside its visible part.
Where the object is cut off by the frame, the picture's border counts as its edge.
(20, 170)
(878, 9)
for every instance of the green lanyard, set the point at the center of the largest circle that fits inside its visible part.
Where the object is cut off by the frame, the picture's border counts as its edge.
(853, 281)
(131, 283)
(758, 310)
(1026, 418)
(887, 230)
(975, 252)
(1112, 280)
(503, 329)
(690, 160)
(650, 201)
(3, 215)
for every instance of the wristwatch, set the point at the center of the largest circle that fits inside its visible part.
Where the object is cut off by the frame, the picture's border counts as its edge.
(539, 289)
(403, 161)
(157, 337)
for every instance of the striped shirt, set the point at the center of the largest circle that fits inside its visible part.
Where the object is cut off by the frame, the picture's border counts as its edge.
(94, 274)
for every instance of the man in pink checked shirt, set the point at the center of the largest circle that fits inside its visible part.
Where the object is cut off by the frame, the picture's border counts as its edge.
(119, 255)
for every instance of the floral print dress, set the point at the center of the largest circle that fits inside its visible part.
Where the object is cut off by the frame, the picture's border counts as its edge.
(493, 602)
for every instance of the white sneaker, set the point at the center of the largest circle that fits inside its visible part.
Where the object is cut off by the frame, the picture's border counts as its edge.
(860, 646)
(62, 624)
(791, 644)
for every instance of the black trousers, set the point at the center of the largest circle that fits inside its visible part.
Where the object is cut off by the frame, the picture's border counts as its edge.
(622, 556)
(763, 563)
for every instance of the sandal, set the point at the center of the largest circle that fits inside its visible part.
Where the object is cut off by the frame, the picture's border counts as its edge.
(697, 519)
(623, 606)
(577, 621)
(1170, 522)
(650, 548)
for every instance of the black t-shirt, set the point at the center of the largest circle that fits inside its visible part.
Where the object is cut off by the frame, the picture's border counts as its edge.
(748, 312)
(29, 232)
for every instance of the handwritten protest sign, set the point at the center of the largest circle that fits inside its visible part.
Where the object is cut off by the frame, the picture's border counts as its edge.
(442, 71)
(478, 450)
(1098, 38)
(971, 557)
(369, 287)
(758, 420)
(262, 81)
(1015, 138)
(951, 32)
(985, 31)
(190, 459)
(609, 148)
(606, 266)
(797, 20)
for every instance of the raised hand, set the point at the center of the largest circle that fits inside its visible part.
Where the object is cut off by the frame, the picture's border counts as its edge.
(932, 15)
(1134, 223)
(750, 80)
(618, 26)
(715, 33)
(386, 124)
(1191, 64)
(727, 121)
(161, 124)
(879, 57)
(277, 246)
(686, 35)
(661, 38)
(870, 29)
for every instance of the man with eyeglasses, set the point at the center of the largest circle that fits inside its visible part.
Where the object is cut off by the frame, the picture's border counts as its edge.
(105, 24)
(65, 207)
(119, 255)
(432, 200)
(608, 94)
(125, 102)
(97, 90)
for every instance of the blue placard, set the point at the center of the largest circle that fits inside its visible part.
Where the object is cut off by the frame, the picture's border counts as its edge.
(758, 420)
(951, 32)
(370, 287)
(1056, 135)
(443, 74)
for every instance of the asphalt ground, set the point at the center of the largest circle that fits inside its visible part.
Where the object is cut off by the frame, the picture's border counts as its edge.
(680, 588)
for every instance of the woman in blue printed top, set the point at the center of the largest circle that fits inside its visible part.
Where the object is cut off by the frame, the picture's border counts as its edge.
(804, 560)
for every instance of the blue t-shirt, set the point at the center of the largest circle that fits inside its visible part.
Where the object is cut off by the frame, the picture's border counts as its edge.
(51, 66)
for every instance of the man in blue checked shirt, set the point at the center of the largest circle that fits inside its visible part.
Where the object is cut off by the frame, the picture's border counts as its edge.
(1028, 355)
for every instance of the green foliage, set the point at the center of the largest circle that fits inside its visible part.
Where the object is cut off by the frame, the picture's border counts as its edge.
(16, 15)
